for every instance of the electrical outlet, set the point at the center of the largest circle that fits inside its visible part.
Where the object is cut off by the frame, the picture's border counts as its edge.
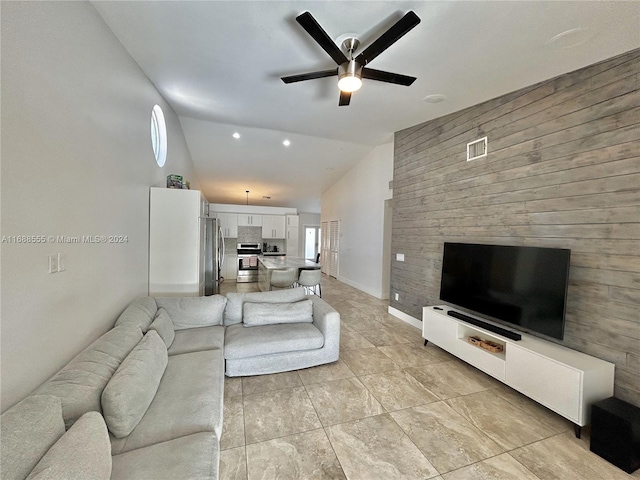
(53, 263)
(397, 296)
(400, 257)
(62, 260)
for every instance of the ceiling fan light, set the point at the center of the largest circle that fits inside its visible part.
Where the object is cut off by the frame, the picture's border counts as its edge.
(349, 83)
(350, 76)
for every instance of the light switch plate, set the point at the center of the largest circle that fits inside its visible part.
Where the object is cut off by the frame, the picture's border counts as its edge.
(397, 296)
(62, 261)
(53, 263)
(400, 257)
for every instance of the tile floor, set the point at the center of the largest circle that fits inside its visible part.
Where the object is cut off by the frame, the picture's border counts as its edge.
(391, 408)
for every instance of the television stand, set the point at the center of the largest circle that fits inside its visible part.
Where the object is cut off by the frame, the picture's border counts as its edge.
(563, 380)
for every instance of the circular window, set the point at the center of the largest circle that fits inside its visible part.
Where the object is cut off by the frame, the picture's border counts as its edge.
(158, 135)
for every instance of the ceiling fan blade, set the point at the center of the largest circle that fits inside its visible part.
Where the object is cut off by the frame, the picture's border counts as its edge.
(314, 29)
(310, 76)
(345, 98)
(388, 77)
(388, 38)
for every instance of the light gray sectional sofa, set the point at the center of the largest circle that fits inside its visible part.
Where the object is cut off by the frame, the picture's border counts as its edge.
(145, 400)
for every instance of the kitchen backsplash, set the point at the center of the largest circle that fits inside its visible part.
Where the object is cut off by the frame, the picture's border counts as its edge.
(251, 235)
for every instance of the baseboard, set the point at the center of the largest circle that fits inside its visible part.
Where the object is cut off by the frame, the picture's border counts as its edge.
(365, 289)
(405, 318)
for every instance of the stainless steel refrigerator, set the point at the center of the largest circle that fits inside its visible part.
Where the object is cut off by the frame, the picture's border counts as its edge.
(213, 255)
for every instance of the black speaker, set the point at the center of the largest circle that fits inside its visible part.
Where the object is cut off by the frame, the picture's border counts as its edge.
(615, 433)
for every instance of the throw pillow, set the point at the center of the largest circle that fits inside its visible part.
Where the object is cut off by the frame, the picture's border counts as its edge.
(84, 452)
(255, 314)
(164, 326)
(130, 391)
(235, 301)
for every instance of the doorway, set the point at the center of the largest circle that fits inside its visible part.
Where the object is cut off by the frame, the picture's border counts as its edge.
(311, 241)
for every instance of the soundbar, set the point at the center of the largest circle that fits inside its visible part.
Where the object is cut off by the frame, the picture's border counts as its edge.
(487, 326)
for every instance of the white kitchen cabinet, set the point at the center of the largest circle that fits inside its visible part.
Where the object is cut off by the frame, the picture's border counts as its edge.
(273, 226)
(204, 207)
(293, 221)
(563, 380)
(175, 242)
(292, 241)
(228, 224)
(249, 220)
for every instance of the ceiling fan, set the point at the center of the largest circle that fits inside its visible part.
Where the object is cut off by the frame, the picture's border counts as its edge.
(351, 70)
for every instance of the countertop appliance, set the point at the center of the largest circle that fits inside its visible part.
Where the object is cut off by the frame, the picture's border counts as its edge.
(266, 248)
(248, 262)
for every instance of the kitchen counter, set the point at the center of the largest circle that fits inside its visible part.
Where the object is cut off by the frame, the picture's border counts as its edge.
(267, 264)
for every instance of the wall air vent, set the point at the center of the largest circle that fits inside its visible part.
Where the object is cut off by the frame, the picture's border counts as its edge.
(477, 149)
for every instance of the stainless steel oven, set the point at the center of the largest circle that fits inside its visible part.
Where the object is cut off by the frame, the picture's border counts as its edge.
(248, 262)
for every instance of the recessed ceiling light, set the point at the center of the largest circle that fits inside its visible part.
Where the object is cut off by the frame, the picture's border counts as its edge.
(330, 169)
(286, 143)
(236, 135)
(436, 98)
(571, 38)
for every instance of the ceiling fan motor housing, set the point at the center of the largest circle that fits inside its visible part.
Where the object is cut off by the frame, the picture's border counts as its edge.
(350, 69)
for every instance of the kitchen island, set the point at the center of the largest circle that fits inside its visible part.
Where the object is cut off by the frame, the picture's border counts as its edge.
(267, 264)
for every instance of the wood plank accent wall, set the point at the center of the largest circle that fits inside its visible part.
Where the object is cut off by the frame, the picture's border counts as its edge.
(562, 170)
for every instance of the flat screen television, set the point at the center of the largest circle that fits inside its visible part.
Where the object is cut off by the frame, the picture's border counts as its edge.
(523, 287)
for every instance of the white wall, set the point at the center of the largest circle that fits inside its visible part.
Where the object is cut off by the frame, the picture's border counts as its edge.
(76, 160)
(358, 200)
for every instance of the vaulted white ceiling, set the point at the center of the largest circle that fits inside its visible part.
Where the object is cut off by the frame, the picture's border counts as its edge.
(219, 63)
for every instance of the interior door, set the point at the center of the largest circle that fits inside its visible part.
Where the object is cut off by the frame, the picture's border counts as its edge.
(324, 247)
(334, 247)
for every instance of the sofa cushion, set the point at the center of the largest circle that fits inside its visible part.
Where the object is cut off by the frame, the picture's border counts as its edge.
(190, 312)
(140, 313)
(188, 401)
(132, 388)
(164, 326)
(243, 342)
(81, 382)
(84, 452)
(235, 301)
(186, 458)
(29, 430)
(197, 340)
(254, 314)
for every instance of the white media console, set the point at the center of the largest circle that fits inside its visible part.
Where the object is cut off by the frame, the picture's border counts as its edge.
(563, 380)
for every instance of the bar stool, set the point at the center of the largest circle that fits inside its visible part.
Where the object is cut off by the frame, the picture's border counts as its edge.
(310, 280)
(283, 277)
